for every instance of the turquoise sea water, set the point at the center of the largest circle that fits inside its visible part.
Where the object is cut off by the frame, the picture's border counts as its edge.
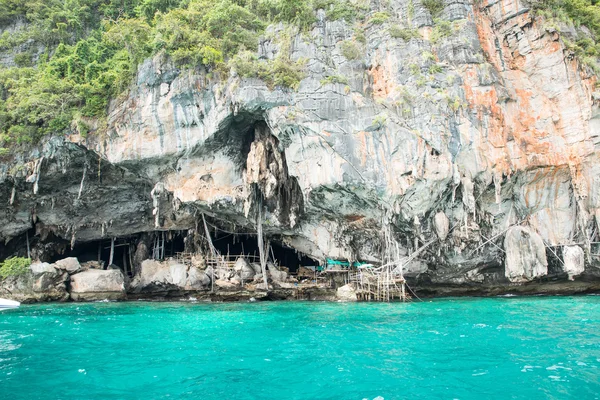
(502, 348)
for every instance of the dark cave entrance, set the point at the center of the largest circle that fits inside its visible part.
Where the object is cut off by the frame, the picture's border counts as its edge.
(161, 245)
(247, 245)
(291, 258)
(98, 251)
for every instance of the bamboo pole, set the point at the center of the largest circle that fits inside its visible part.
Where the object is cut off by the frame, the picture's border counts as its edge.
(214, 253)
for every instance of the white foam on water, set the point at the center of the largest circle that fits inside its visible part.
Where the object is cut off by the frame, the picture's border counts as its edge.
(528, 368)
(9, 346)
(557, 367)
(556, 378)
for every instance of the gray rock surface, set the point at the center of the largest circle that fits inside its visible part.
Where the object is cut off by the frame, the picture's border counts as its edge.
(179, 274)
(165, 276)
(525, 255)
(244, 270)
(70, 265)
(574, 261)
(346, 293)
(276, 275)
(197, 279)
(442, 225)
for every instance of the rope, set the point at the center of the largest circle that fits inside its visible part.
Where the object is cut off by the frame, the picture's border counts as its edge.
(412, 291)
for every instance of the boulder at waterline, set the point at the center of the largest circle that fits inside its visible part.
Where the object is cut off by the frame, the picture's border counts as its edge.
(346, 293)
(96, 284)
(43, 282)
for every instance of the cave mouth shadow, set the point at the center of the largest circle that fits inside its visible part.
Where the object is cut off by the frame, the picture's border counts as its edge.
(124, 250)
(233, 245)
(233, 138)
(247, 245)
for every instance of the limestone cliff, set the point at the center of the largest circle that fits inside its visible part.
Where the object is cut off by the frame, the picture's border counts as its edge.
(455, 138)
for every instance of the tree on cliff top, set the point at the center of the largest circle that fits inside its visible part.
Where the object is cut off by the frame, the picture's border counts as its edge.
(72, 56)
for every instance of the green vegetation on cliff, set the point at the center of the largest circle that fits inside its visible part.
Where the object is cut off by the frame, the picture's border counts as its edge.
(584, 16)
(72, 56)
(14, 266)
(66, 59)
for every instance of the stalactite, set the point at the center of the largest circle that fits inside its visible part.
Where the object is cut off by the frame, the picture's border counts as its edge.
(261, 245)
(35, 177)
(112, 251)
(211, 246)
(82, 181)
(156, 192)
(214, 252)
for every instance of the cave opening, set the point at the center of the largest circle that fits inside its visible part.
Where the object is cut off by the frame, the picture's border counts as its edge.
(23, 245)
(161, 245)
(291, 258)
(98, 251)
(166, 244)
(247, 245)
(555, 261)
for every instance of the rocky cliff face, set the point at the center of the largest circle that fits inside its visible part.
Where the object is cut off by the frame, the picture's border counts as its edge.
(448, 139)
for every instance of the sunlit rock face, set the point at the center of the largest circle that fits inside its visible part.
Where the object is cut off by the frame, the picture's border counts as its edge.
(456, 140)
(94, 285)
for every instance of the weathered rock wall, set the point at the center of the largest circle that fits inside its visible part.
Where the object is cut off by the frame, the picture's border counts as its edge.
(457, 137)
